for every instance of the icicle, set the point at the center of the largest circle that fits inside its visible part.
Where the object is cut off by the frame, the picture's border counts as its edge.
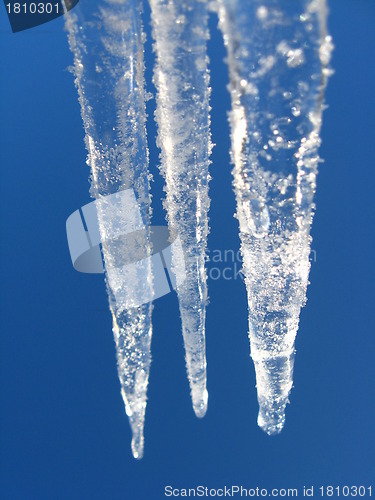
(181, 78)
(278, 53)
(106, 38)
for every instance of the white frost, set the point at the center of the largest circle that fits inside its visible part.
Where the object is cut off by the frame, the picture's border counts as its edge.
(106, 38)
(182, 81)
(278, 57)
(283, 49)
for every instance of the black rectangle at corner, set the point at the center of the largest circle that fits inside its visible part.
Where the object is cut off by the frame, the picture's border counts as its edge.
(24, 15)
(70, 3)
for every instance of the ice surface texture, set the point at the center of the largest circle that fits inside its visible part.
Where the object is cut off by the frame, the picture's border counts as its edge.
(106, 38)
(278, 56)
(182, 81)
(278, 52)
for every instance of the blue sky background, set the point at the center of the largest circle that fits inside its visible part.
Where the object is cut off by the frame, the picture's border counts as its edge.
(63, 429)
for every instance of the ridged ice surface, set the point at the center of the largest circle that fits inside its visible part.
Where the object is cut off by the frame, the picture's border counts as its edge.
(182, 115)
(106, 39)
(278, 53)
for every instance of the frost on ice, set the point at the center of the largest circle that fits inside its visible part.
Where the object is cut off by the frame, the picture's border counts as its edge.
(278, 53)
(106, 38)
(278, 57)
(182, 80)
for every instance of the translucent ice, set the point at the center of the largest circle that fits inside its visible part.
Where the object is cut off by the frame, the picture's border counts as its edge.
(278, 52)
(106, 38)
(182, 115)
(278, 57)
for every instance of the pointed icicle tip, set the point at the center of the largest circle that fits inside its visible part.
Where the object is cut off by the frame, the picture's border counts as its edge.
(137, 442)
(200, 404)
(271, 418)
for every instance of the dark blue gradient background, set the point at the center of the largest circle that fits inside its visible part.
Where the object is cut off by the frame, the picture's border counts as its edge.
(63, 429)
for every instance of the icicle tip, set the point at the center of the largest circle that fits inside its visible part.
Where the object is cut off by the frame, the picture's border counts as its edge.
(200, 404)
(137, 444)
(272, 420)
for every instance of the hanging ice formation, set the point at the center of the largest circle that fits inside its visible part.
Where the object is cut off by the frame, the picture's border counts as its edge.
(106, 38)
(182, 81)
(278, 56)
